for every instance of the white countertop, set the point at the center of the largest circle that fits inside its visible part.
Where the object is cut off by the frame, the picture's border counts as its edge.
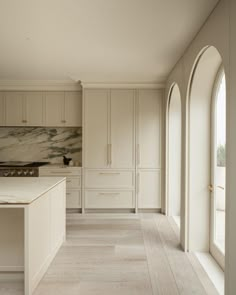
(24, 190)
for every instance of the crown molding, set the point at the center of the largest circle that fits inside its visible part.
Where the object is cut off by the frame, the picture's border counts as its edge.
(101, 85)
(39, 85)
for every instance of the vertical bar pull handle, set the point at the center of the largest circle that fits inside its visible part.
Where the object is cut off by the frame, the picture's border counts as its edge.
(110, 154)
(138, 154)
(138, 183)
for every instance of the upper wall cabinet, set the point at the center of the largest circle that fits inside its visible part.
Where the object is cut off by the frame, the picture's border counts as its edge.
(15, 109)
(54, 105)
(55, 109)
(63, 109)
(73, 109)
(148, 131)
(34, 108)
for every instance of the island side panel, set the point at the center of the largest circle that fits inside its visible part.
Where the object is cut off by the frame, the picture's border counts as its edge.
(44, 234)
(11, 239)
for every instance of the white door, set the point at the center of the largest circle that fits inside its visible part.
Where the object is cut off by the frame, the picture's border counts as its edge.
(2, 110)
(217, 244)
(96, 128)
(54, 109)
(149, 189)
(15, 109)
(34, 108)
(73, 109)
(149, 104)
(122, 129)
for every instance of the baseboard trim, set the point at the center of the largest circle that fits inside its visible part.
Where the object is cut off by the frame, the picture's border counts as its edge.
(110, 211)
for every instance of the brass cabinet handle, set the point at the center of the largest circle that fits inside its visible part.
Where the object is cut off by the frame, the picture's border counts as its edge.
(24, 121)
(138, 154)
(109, 194)
(108, 155)
(220, 187)
(109, 173)
(138, 183)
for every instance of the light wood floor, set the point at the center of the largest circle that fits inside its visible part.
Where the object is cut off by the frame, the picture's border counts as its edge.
(120, 255)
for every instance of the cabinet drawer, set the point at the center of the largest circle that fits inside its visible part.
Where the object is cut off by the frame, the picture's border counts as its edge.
(109, 179)
(67, 172)
(108, 199)
(73, 199)
(74, 182)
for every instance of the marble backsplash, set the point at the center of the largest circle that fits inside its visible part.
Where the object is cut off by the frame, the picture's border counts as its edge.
(40, 144)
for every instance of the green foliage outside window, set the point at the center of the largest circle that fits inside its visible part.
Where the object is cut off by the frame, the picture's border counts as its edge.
(221, 155)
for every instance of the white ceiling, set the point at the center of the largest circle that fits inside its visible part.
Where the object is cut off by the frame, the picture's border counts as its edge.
(96, 40)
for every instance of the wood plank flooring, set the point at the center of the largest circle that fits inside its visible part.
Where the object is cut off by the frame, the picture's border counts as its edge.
(120, 254)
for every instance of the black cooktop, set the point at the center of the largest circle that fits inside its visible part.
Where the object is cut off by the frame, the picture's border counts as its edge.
(22, 164)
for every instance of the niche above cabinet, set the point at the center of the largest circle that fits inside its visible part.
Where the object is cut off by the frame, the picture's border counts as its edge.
(49, 109)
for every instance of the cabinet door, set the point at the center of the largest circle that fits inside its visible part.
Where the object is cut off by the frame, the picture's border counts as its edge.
(54, 109)
(34, 108)
(122, 129)
(149, 189)
(149, 106)
(73, 109)
(2, 110)
(96, 128)
(15, 109)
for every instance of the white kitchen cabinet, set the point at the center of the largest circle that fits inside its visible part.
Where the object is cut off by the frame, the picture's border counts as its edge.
(122, 148)
(149, 189)
(109, 199)
(57, 109)
(63, 109)
(118, 179)
(149, 121)
(73, 109)
(24, 109)
(95, 136)
(54, 104)
(122, 142)
(108, 124)
(33, 108)
(15, 109)
(109, 148)
(73, 182)
(148, 148)
(2, 107)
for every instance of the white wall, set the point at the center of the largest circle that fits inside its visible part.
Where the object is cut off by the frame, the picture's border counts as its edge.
(230, 270)
(215, 32)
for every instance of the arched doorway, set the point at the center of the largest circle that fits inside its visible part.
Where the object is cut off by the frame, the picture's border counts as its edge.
(200, 105)
(174, 154)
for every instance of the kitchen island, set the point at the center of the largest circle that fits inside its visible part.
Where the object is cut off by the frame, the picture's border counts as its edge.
(32, 225)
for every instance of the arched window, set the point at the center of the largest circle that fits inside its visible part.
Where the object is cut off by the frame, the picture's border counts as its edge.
(219, 163)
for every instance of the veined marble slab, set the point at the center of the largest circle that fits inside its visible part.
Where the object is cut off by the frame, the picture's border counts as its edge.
(40, 144)
(25, 190)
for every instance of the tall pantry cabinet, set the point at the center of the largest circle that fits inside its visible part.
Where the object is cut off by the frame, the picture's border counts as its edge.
(148, 148)
(121, 149)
